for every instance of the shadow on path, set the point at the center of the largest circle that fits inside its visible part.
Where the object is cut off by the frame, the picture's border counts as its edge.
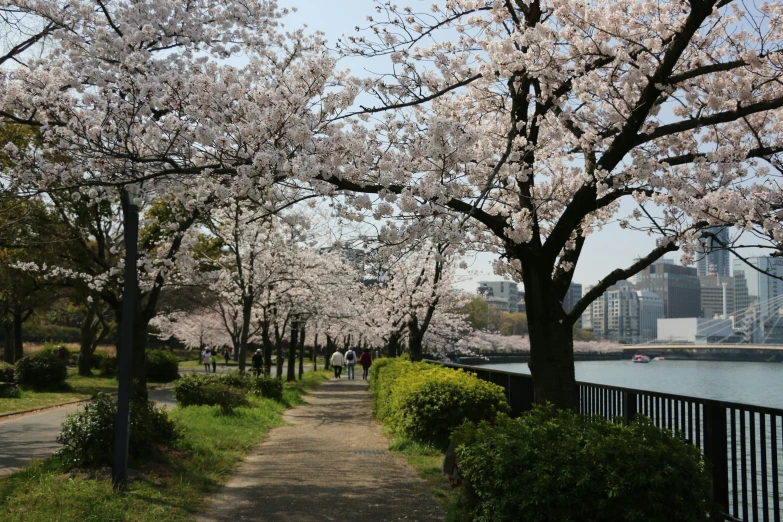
(319, 469)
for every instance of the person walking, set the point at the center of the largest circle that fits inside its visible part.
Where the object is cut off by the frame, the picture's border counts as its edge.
(205, 359)
(258, 362)
(226, 355)
(213, 360)
(350, 362)
(337, 363)
(366, 362)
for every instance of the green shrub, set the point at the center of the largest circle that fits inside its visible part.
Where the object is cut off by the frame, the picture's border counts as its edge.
(556, 465)
(88, 435)
(106, 365)
(200, 389)
(40, 333)
(384, 373)
(53, 348)
(428, 405)
(40, 369)
(269, 387)
(9, 391)
(6, 372)
(162, 366)
(237, 379)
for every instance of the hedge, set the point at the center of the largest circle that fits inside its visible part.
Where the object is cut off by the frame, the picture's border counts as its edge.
(551, 464)
(200, 389)
(162, 366)
(426, 402)
(40, 369)
(6, 372)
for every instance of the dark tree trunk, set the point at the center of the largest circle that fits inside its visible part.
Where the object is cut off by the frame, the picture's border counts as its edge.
(329, 351)
(18, 344)
(279, 349)
(393, 347)
(301, 352)
(247, 309)
(315, 352)
(87, 342)
(267, 342)
(551, 344)
(292, 351)
(8, 342)
(139, 351)
(415, 340)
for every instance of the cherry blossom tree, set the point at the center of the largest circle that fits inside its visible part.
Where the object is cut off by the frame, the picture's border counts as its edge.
(530, 121)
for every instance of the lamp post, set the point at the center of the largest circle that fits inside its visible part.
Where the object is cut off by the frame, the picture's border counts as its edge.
(122, 424)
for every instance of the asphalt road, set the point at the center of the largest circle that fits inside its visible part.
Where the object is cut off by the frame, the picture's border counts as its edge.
(29, 437)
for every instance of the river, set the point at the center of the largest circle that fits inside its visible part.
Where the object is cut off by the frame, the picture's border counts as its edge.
(759, 384)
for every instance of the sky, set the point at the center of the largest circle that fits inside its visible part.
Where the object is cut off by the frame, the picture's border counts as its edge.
(604, 251)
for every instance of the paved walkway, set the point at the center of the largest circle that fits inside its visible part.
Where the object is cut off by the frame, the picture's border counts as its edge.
(331, 464)
(29, 437)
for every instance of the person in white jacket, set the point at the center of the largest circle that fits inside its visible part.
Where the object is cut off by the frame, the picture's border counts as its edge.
(337, 364)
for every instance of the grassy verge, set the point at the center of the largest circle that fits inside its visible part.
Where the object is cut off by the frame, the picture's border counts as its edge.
(427, 461)
(76, 387)
(213, 445)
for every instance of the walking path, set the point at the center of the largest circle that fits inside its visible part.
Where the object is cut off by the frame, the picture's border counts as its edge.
(330, 464)
(29, 437)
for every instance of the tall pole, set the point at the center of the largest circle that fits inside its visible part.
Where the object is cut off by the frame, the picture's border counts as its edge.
(122, 424)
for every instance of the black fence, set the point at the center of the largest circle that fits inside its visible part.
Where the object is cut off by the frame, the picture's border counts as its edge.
(742, 443)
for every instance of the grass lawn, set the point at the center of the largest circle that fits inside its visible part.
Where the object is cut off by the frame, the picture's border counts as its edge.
(212, 447)
(427, 461)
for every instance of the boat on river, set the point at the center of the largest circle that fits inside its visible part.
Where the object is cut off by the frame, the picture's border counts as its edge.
(641, 358)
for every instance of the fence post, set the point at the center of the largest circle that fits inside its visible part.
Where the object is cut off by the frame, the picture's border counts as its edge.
(715, 452)
(629, 406)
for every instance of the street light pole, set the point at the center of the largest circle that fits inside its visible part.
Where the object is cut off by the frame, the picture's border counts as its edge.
(122, 423)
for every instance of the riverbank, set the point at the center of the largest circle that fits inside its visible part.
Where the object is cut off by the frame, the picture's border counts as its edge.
(171, 489)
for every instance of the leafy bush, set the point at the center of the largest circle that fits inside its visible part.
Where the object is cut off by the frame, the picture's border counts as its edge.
(9, 391)
(162, 366)
(556, 465)
(241, 380)
(200, 389)
(88, 435)
(40, 369)
(106, 364)
(40, 333)
(426, 402)
(269, 387)
(6, 372)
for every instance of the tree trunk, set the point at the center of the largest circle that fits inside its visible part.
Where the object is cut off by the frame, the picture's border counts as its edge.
(279, 349)
(329, 351)
(415, 340)
(301, 352)
(18, 345)
(393, 347)
(138, 353)
(551, 345)
(267, 342)
(247, 309)
(315, 352)
(292, 351)
(87, 342)
(8, 342)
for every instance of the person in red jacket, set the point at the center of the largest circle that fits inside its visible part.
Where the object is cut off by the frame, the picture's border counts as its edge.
(366, 362)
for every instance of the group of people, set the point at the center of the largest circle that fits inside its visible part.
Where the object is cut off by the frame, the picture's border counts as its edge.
(209, 356)
(349, 360)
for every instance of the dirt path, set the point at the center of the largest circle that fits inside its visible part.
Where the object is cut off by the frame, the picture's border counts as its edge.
(331, 464)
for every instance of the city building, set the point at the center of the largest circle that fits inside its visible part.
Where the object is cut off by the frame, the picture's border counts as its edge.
(712, 296)
(677, 286)
(572, 297)
(712, 258)
(696, 330)
(587, 315)
(503, 295)
(650, 310)
(764, 289)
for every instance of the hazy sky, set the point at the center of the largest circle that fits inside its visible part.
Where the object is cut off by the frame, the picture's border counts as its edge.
(603, 252)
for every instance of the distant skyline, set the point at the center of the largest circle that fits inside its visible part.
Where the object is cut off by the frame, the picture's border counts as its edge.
(611, 248)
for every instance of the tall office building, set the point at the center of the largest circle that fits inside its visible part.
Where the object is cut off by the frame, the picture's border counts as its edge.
(677, 286)
(650, 310)
(572, 297)
(503, 295)
(712, 296)
(711, 258)
(764, 292)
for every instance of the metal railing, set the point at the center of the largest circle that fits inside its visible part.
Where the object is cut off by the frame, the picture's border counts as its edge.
(742, 443)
